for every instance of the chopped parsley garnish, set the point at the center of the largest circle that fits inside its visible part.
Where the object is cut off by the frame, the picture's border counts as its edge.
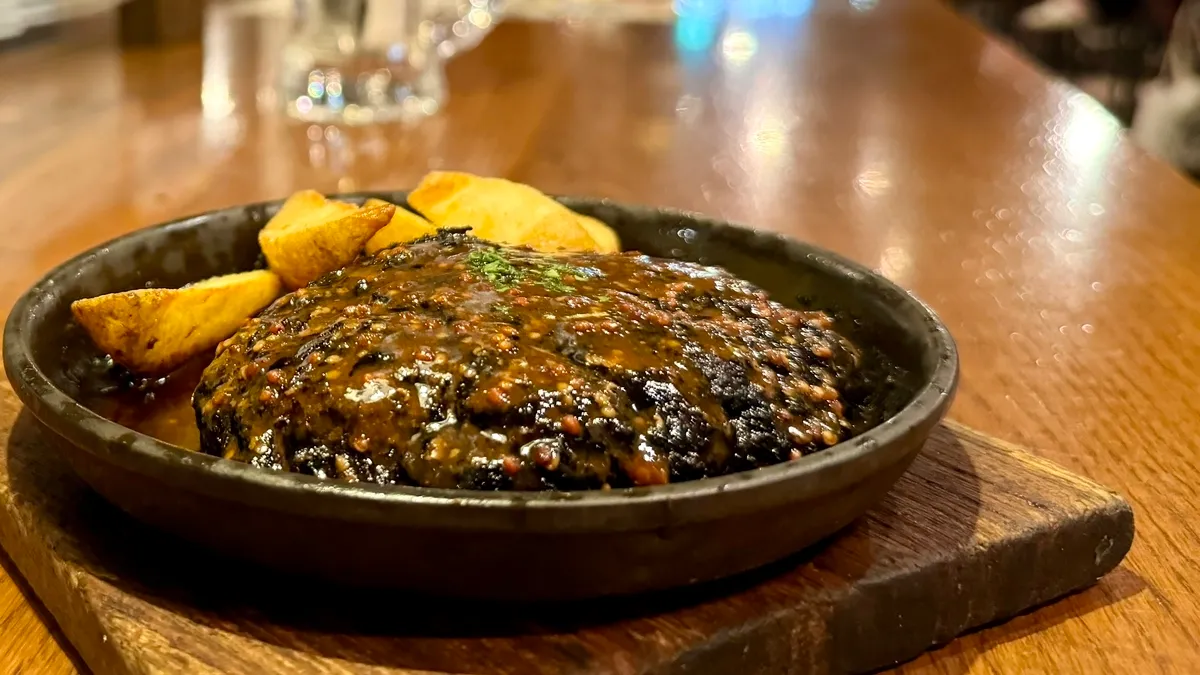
(502, 274)
(504, 310)
(490, 264)
(552, 277)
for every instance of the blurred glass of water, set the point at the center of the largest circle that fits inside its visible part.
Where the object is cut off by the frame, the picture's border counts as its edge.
(366, 61)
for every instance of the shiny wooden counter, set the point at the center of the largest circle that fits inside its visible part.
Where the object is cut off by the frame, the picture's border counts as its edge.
(1063, 258)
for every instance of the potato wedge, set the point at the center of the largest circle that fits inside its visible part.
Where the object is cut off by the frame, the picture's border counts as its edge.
(405, 226)
(309, 205)
(501, 211)
(152, 331)
(312, 235)
(606, 240)
(373, 202)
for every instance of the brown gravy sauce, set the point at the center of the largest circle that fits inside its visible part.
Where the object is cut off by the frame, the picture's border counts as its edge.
(161, 408)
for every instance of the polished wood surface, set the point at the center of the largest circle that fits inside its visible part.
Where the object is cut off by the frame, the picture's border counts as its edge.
(1061, 256)
(976, 531)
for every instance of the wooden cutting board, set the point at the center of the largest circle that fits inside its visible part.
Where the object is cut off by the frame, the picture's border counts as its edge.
(977, 531)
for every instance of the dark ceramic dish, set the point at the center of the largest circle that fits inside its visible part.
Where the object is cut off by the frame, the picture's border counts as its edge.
(514, 545)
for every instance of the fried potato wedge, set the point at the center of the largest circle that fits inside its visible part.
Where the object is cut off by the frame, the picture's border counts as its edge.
(309, 205)
(152, 331)
(606, 240)
(501, 211)
(404, 227)
(312, 235)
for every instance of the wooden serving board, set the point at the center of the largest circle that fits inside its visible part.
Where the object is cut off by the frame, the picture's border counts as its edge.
(977, 531)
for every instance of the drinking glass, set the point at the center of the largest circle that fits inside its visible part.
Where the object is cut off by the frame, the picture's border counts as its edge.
(365, 61)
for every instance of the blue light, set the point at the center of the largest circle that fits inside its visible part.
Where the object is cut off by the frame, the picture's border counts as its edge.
(796, 7)
(696, 33)
(700, 8)
(756, 9)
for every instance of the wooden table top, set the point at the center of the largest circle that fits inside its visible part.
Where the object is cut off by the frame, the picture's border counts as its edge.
(1061, 256)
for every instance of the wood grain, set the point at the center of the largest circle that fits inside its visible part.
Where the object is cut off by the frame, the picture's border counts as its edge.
(975, 532)
(1061, 256)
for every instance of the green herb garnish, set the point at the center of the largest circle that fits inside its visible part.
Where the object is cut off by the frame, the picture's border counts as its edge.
(552, 277)
(493, 266)
(504, 310)
(503, 275)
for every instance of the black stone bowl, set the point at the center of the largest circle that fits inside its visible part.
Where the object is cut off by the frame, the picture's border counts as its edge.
(483, 544)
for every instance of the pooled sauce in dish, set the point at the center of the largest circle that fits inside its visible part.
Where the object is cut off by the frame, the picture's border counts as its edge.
(453, 363)
(159, 408)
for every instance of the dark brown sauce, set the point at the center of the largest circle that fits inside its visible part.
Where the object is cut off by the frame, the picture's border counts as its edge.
(453, 363)
(160, 409)
(567, 372)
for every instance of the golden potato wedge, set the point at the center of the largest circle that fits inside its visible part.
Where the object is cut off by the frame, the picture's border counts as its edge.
(606, 240)
(309, 205)
(373, 202)
(152, 331)
(405, 226)
(312, 235)
(500, 211)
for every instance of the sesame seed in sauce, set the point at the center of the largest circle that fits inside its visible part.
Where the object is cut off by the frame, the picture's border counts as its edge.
(570, 424)
(511, 465)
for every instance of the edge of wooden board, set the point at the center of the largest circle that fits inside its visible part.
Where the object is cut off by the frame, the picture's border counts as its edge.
(1060, 561)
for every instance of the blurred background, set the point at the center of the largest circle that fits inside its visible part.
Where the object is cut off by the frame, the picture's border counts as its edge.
(1107, 50)
(356, 62)
(1139, 58)
(24, 17)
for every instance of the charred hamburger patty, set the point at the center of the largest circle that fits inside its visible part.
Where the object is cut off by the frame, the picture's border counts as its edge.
(450, 362)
